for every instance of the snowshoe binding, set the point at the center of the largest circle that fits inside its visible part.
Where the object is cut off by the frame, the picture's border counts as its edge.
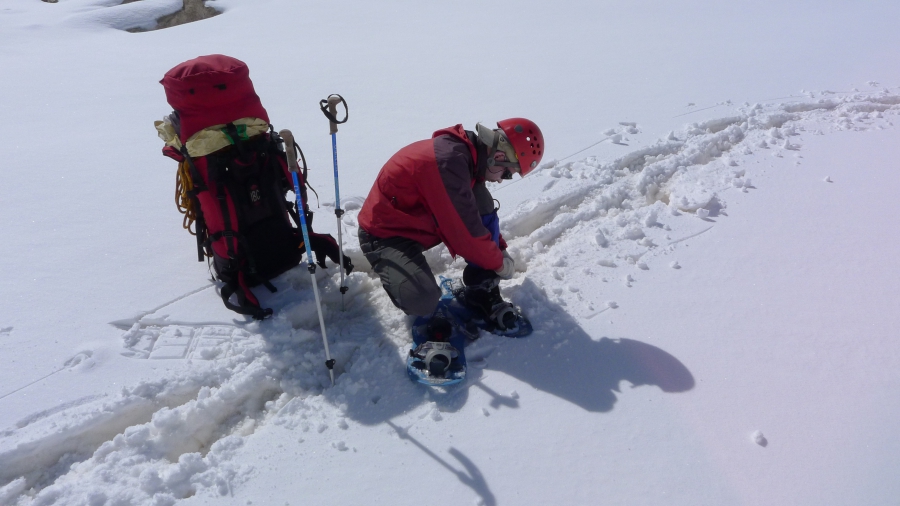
(436, 358)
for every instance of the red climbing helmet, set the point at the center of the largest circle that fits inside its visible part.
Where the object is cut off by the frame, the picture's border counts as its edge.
(527, 139)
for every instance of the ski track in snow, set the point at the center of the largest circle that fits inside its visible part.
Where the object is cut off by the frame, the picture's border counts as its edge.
(161, 440)
(80, 361)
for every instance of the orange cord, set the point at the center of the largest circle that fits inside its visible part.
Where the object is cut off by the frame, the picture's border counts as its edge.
(183, 185)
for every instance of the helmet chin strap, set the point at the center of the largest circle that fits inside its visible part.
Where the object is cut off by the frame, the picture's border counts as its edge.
(507, 173)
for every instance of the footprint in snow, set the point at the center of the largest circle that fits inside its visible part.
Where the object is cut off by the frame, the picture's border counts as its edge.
(81, 361)
(160, 342)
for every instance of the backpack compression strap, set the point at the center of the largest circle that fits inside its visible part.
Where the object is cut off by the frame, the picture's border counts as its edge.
(246, 305)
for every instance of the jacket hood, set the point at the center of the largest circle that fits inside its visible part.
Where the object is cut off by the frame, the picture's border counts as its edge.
(460, 133)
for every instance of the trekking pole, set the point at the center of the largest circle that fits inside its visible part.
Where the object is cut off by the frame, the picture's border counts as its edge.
(329, 108)
(292, 166)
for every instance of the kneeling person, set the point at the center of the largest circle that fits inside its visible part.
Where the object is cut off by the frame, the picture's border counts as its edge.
(432, 192)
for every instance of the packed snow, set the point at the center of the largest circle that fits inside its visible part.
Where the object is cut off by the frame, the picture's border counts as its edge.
(708, 254)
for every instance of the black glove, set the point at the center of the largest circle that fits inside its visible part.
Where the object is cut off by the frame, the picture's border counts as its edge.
(323, 245)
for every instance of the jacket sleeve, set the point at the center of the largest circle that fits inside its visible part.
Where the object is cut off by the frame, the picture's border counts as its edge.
(448, 193)
(485, 202)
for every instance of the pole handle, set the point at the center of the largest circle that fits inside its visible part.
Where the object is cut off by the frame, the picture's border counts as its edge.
(329, 109)
(289, 152)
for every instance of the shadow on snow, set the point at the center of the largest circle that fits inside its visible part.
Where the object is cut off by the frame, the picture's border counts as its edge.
(559, 358)
(562, 359)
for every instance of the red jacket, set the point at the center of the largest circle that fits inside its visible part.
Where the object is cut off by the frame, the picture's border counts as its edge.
(424, 193)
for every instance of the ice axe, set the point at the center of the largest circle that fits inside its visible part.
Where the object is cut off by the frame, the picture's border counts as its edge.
(301, 211)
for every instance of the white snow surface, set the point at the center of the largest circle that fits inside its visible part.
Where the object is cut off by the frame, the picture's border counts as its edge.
(708, 254)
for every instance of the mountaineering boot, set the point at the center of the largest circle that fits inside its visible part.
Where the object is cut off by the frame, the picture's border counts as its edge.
(486, 302)
(436, 353)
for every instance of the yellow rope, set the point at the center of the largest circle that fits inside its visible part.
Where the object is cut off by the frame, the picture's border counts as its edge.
(183, 185)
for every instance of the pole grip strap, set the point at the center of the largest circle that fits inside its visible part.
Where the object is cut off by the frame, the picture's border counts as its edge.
(329, 109)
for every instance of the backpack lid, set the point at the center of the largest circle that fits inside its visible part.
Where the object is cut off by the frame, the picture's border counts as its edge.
(211, 90)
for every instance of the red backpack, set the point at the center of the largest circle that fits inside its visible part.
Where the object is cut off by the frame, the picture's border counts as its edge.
(233, 178)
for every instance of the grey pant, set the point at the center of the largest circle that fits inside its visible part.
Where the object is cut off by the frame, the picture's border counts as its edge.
(404, 273)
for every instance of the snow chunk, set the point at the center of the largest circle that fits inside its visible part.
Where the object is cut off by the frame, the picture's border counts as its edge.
(634, 233)
(560, 262)
(13, 489)
(759, 439)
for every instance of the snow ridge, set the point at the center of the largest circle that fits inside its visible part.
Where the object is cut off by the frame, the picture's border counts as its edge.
(684, 173)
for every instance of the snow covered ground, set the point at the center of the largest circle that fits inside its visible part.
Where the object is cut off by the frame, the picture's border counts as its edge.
(713, 283)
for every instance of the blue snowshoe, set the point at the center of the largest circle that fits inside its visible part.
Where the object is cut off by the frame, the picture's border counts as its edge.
(437, 357)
